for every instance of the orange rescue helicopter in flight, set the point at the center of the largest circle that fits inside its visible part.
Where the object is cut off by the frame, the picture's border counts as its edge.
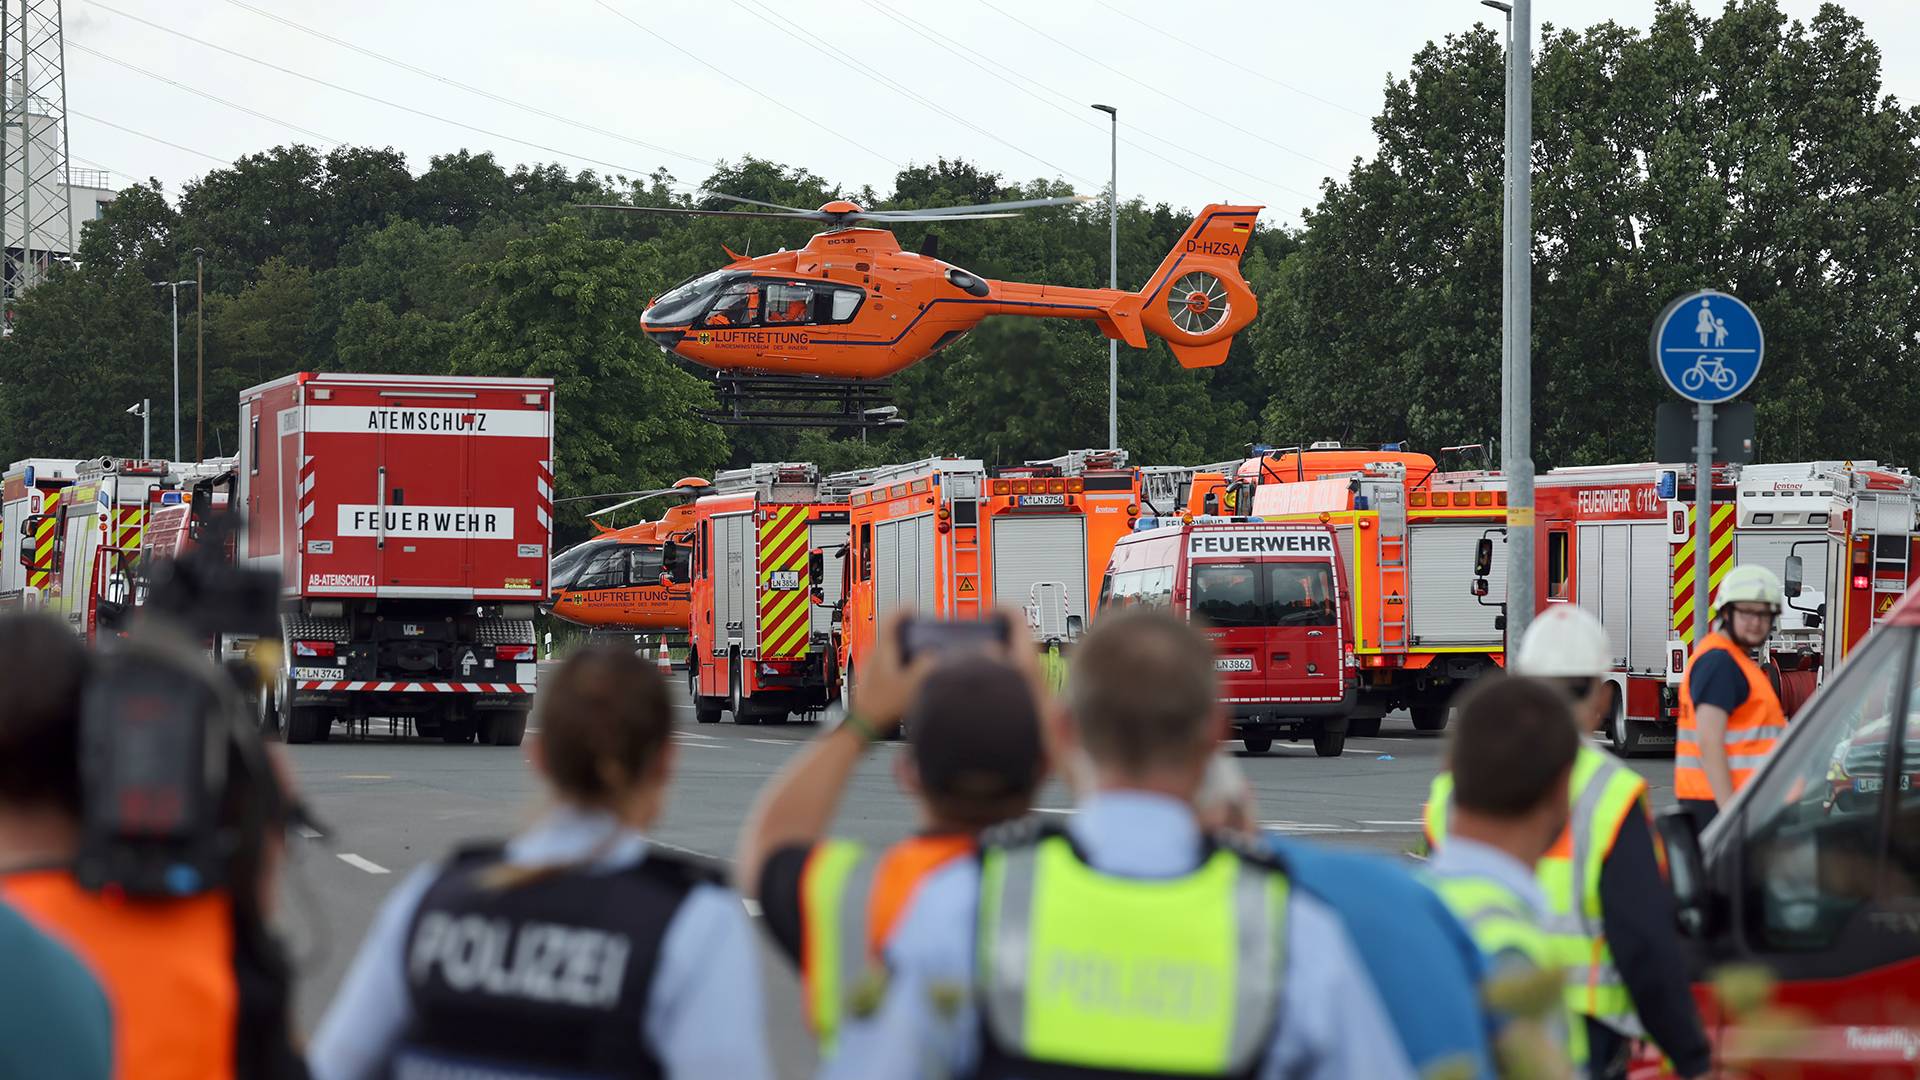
(831, 321)
(612, 583)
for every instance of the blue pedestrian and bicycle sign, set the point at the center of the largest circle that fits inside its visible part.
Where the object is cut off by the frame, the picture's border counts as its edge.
(1708, 346)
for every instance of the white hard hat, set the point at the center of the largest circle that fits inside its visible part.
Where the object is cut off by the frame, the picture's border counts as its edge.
(1749, 584)
(1564, 642)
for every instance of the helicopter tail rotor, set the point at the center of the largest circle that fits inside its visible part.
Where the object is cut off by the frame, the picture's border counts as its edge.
(1197, 299)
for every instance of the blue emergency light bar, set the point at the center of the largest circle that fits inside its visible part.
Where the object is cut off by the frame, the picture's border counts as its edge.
(169, 498)
(29, 476)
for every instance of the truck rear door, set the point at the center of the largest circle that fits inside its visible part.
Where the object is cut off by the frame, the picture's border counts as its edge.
(1303, 640)
(1224, 599)
(443, 486)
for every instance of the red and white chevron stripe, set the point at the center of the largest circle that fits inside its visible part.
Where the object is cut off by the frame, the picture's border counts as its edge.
(422, 687)
(306, 489)
(543, 495)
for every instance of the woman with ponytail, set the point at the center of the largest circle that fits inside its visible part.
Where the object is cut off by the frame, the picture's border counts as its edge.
(578, 947)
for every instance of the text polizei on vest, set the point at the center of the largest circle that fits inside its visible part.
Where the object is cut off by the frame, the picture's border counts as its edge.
(544, 962)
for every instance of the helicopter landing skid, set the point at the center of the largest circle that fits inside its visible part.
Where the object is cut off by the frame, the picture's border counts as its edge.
(802, 401)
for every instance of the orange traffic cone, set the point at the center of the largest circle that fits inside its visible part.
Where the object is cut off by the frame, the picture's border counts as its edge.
(665, 663)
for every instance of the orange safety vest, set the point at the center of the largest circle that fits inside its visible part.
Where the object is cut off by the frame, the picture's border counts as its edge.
(167, 968)
(851, 897)
(1752, 730)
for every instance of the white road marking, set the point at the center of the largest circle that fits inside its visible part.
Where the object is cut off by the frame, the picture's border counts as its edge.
(359, 863)
(1393, 823)
(775, 742)
(752, 906)
(307, 833)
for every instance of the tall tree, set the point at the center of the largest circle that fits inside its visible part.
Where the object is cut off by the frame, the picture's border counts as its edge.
(86, 346)
(565, 307)
(1744, 152)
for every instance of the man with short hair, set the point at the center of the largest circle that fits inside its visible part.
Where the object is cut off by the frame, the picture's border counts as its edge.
(1610, 916)
(1252, 977)
(973, 760)
(1511, 754)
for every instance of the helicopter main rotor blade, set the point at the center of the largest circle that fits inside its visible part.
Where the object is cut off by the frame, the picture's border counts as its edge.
(605, 510)
(807, 215)
(952, 211)
(648, 493)
(884, 218)
(757, 202)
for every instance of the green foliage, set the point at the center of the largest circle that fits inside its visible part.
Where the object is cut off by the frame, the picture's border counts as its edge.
(1744, 153)
(87, 347)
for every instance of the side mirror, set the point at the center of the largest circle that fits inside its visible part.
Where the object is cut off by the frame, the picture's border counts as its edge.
(1479, 586)
(1796, 570)
(1483, 559)
(28, 527)
(1075, 624)
(816, 565)
(1696, 906)
(669, 558)
(1210, 503)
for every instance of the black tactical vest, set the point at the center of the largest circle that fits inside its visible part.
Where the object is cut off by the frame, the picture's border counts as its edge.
(547, 978)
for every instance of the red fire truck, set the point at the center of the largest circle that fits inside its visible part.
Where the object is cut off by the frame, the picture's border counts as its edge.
(761, 629)
(1868, 556)
(98, 528)
(409, 518)
(30, 489)
(1271, 599)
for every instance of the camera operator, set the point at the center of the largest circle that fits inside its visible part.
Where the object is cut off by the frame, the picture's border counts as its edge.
(196, 983)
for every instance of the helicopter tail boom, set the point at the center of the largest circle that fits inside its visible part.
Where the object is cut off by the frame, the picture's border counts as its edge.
(1197, 299)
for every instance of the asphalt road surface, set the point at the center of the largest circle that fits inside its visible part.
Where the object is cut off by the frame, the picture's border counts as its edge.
(391, 805)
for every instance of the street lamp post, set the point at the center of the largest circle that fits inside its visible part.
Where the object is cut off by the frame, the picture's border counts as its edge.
(199, 356)
(1113, 279)
(144, 411)
(1516, 368)
(174, 287)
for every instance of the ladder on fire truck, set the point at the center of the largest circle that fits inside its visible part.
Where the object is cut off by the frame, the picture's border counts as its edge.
(1075, 462)
(1383, 488)
(774, 481)
(1889, 517)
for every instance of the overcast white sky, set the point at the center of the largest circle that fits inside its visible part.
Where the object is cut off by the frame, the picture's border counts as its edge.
(1005, 83)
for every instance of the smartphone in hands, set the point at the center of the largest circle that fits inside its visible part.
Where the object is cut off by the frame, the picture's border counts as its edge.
(924, 637)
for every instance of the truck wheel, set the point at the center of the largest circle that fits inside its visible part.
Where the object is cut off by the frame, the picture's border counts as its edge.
(304, 725)
(706, 710)
(739, 704)
(1429, 717)
(1329, 742)
(1257, 744)
(1624, 734)
(267, 715)
(506, 728)
(1363, 727)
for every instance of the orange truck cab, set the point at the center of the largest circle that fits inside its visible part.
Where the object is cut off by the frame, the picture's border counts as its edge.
(914, 542)
(1406, 533)
(760, 628)
(1812, 873)
(1272, 599)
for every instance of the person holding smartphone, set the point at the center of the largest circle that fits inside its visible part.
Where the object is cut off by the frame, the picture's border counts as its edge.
(970, 702)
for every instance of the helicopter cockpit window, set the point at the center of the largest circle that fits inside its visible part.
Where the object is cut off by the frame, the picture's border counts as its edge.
(684, 301)
(604, 570)
(739, 305)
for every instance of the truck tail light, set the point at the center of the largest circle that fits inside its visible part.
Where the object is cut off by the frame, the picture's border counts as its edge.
(1019, 487)
(1860, 581)
(513, 652)
(313, 648)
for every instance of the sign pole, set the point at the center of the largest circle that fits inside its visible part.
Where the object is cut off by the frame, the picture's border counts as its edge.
(1703, 524)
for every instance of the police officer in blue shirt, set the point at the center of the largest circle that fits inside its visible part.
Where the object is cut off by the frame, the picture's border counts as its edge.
(1426, 969)
(1129, 940)
(578, 948)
